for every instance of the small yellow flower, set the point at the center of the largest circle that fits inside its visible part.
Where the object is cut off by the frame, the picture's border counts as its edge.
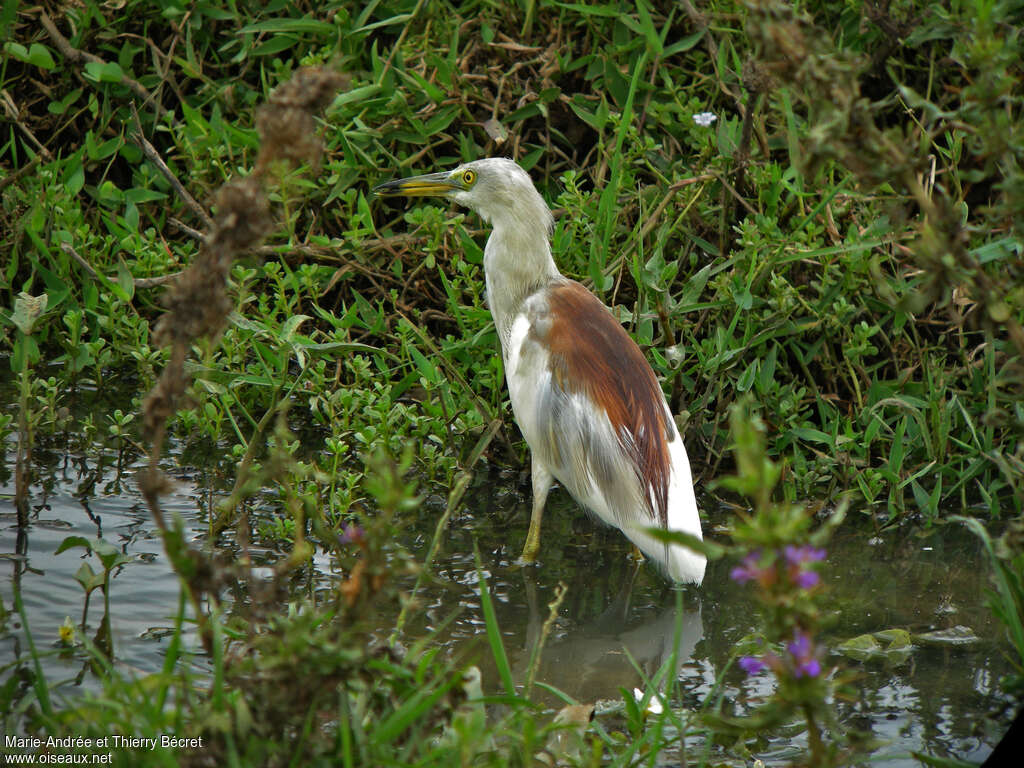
(67, 631)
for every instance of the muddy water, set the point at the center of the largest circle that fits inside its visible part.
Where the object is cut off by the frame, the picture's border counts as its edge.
(617, 624)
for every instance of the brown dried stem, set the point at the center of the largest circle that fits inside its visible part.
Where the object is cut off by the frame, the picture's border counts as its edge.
(139, 282)
(198, 304)
(154, 157)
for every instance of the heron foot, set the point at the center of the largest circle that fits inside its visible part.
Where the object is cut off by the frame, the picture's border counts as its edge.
(530, 551)
(526, 562)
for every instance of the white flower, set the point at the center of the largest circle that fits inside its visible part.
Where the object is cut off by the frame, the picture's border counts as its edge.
(655, 705)
(704, 119)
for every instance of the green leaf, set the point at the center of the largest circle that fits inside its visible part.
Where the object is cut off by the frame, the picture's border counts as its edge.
(125, 286)
(75, 179)
(109, 555)
(274, 46)
(298, 26)
(73, 541)
(586, 9)
(60, 107)
(426, 368)
(291, 325)
(88, 578)
(595, 120)
(26, 353)
(109, 193)
(811, 435)
(138, 195)
(107, 148)
(413, 709)
(685, 44)
(493, 630)
(896, 450)
(104, 72)
(646, 28)
(8, 13)
(16, 51)
(710, 549)
(357, 95)
(400, 18)
(27, 310)
(747, 378)
(695, 286)
(39, 55)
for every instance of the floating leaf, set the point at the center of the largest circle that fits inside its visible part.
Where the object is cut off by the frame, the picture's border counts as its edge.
(891, 645)
(958, 635)
(894, 637)
(861, 648)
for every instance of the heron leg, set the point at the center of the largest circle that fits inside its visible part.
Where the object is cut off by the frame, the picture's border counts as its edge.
(541, 485)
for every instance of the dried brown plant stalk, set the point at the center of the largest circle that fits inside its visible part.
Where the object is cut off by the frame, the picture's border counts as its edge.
(198, 304)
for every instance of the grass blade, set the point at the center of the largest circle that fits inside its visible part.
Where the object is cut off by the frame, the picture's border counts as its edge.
(493, 631)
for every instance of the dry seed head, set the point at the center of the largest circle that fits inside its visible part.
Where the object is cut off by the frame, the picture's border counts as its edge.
(286, 124)
(243, 218)
(310, 88)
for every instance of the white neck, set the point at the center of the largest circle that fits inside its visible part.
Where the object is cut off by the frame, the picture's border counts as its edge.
(517, 263)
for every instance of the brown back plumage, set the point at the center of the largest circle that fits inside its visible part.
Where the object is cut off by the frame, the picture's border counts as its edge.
(592, 354)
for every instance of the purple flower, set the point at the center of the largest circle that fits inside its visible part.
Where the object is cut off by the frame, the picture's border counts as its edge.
(809, 668)
(807, 579)
(805, 656)
(752, 665)
(802, 556)
(741, 575)
(801, 644)
(805, 554)
(352, 533)
(749, 570)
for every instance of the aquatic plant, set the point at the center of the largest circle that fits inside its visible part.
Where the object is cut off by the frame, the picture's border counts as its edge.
(781, 561)
(24, 317)
(110, 558)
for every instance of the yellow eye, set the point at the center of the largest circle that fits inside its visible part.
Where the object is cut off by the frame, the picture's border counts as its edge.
(468, 177)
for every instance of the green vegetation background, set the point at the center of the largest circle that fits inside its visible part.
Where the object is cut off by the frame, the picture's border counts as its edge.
(844, 243)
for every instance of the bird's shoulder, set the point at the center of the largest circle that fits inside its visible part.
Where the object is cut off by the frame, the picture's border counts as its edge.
(588, 347)
(577, 347)
(586, 351)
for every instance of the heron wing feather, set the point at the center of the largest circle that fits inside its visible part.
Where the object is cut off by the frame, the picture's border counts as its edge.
(589, 405)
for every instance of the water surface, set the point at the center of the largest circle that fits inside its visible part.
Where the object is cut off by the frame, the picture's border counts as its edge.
(615, 627)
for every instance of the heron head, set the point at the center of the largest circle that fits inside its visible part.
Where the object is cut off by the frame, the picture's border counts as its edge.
(496, 188)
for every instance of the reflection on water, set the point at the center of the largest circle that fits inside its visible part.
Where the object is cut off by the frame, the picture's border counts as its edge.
(616, 626)
(595, 660)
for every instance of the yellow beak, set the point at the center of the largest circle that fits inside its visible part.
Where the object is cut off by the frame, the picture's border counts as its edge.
(419, 186)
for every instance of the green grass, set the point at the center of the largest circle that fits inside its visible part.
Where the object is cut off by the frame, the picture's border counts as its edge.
(873, 309)
(843, 246)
